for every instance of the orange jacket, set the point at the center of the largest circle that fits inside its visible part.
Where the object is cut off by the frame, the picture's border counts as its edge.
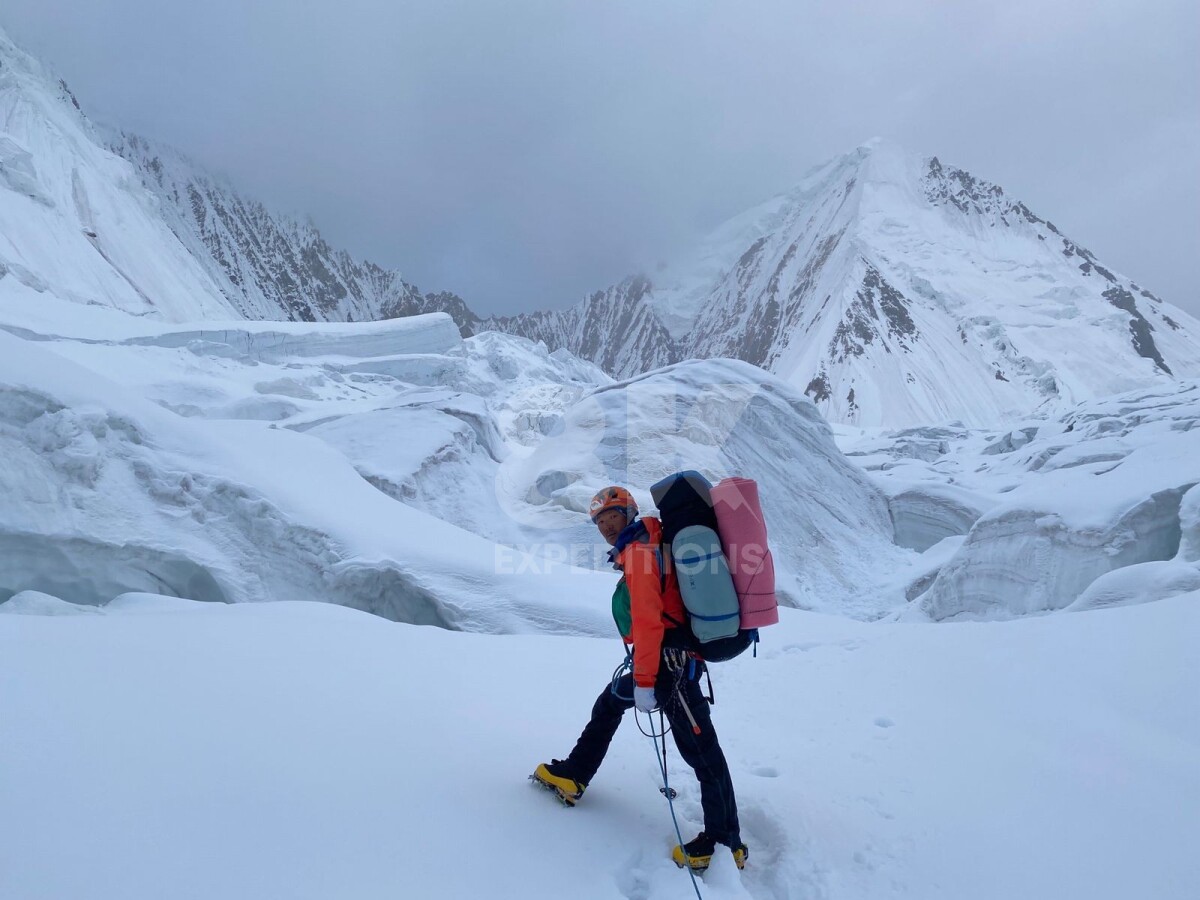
(649, 602)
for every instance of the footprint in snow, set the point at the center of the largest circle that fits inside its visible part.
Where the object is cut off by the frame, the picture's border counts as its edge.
(801, 648)
(632, 879)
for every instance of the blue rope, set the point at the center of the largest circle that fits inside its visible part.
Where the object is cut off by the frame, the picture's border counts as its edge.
(666, 790)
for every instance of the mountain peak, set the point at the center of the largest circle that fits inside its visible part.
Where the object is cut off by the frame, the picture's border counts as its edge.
(897, 289)
(75, 224)
(885, 147)
(20, 70)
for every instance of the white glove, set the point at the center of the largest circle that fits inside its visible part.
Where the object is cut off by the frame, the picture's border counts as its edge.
(644, 699)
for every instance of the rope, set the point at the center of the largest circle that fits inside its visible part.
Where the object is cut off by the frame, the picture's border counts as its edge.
(655, 736)
(666, 790)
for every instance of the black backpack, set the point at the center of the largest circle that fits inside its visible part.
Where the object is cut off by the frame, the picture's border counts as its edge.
(697, 559)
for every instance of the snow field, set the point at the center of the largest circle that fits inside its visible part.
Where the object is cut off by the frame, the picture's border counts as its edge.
(167, 748)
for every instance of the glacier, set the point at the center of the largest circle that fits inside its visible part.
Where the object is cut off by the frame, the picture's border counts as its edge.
(118, 483)
(110, 492)
(829, 525)
(1047, 508)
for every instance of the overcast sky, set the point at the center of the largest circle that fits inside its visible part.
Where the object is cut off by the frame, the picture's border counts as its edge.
(525, 153)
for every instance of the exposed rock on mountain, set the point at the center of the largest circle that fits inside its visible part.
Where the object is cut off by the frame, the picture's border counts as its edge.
(271, 266)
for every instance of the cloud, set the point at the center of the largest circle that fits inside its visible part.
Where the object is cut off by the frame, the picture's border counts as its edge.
(525, 153)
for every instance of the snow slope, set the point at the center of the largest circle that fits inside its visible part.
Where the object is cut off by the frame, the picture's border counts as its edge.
(75, 222)
(306, 751)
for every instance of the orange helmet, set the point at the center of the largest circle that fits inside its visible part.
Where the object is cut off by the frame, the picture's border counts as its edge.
(614, 497)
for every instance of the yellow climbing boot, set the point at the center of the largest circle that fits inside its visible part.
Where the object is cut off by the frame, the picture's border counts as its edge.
(698, 853)
(553, 776)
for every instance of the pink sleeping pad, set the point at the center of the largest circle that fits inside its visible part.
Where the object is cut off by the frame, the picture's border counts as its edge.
(744, 535)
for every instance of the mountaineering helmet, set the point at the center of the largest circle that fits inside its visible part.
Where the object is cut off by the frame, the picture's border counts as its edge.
(614, 497)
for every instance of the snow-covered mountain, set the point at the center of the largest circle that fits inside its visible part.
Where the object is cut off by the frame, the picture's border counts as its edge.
(74, 221)
(103, 217)
(614, 328)
(271, 266)
(893, 290)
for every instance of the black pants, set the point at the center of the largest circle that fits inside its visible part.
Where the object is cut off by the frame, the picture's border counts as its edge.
(700, 751)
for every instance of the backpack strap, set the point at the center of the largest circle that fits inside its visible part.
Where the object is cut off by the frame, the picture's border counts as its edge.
(685, 627)
(662, 568)
(662, 583)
